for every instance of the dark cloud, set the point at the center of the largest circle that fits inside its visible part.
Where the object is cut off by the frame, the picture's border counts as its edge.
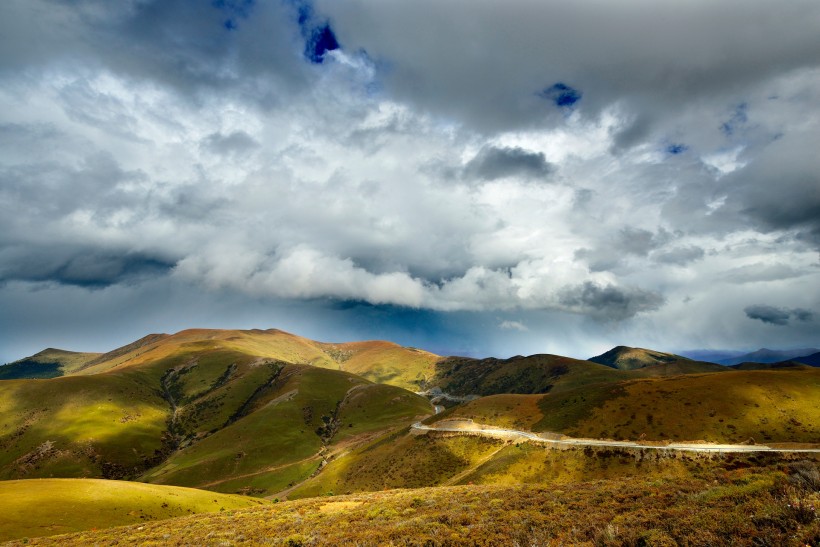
(83, 267)
(609, 302)
(493, 162)
(801, 314)
(652, 59)
(236, 142)
(777, 316)
(780, 188)
(680, 256)
(626, 242)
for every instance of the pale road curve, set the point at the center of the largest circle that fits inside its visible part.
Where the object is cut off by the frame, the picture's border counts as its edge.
(489, 431)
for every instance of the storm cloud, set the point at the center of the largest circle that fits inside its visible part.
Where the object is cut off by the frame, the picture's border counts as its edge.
(593, 169)
(777, 316)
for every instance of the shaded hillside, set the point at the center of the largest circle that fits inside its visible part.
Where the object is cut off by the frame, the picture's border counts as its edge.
(33, 508)
(626, 358)
(770, 366)
(812, 360)
(191, 411)
(463, 376)
(49, 363)
(765, 355)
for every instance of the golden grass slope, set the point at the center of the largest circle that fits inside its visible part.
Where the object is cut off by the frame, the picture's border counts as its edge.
(768, 406)
(42, 507)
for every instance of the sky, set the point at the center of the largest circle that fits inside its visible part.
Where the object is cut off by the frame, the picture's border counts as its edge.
(471, 177)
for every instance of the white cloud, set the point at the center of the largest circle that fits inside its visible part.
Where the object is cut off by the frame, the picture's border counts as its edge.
(425, 174)
(513, 325)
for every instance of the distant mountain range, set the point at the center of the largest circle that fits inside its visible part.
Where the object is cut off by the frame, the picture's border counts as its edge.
(763, 355)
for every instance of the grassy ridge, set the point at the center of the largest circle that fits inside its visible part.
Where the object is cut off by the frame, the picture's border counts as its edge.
(40, 507)
(382, 362)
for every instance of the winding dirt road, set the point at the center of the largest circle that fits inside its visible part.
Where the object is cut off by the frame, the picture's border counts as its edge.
(472, 428)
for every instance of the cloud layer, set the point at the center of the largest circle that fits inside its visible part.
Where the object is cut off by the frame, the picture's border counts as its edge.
(546, 160)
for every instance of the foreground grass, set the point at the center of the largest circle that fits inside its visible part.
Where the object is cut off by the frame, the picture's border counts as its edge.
(752, 506)
(41, 507)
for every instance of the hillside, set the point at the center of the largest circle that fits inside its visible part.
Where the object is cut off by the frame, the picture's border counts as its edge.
(462, 376)
(764, 405)
(812, 360)
(199, 408)
(49, 363)
(626, 358)
(32, 508)
(755, 505)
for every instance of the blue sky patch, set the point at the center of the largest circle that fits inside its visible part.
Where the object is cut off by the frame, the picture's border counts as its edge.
(739, 118)
(562, 95)
(319, 37)
(321, 40)
(676, 149)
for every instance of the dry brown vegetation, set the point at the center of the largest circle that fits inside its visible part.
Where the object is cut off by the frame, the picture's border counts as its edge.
(756, 505)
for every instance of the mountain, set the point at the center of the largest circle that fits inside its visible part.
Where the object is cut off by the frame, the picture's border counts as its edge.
(378, 361)
(626, 358)
(49, 363)
(765, 355)
(268, 413)
(812, 360)
(203, 408)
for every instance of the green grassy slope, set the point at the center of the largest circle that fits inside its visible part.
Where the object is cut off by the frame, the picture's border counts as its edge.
(193, 410)
(280, 437)
(49, 363)
(100, 426)
(42, 507)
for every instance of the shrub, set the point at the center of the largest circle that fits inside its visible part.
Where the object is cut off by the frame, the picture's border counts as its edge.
(805, 475)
